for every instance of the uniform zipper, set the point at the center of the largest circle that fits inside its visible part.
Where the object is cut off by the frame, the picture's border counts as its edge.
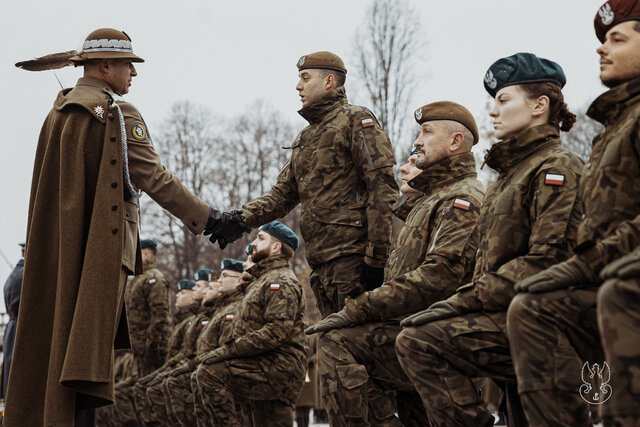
(366, 149)
(435, 237)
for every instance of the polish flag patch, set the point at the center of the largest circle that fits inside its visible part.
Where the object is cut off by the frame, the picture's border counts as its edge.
(554, 179)
(461, 204)
(274, 286)
(204, 322)
(367, 122)
(228, 317)
(152, 281)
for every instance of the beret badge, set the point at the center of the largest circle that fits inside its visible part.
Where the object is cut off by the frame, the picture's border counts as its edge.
(419, 113)
(490, 80)
(301, 61)
(606, 14)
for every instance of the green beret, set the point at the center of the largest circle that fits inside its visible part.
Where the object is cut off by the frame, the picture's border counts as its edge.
(186, 284)
(231, 264)
(249, 249)
(281, 232)
(203, 274)
(614, 12)
(148, 243)
(447, 110)
(324, 60)
(522, 68)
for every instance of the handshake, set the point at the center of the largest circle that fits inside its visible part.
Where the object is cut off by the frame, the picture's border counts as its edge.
(225, 227)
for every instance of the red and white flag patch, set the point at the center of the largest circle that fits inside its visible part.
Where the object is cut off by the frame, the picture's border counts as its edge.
(204, 322)
(228, 317)
(554, 179)
(461, 204)
(274, 286)
(152, 281)
(367, 122)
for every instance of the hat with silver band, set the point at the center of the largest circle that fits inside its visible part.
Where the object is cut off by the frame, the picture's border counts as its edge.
(106, 43)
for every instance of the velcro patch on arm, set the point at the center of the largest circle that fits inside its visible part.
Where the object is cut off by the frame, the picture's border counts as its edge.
(554, 179)
(367, 122)
(461, 204)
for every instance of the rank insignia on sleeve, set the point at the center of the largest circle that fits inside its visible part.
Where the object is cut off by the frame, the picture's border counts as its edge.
(152, 281)
(204, 322)
(461, 204)
(274, 286)
(138, 132)
(98, 110)
(553, 179)
(367, 122)
(228, 317)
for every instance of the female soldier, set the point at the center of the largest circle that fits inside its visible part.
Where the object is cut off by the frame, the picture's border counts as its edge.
(527, 223)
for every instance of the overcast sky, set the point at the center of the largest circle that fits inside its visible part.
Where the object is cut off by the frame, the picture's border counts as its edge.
(226, 54)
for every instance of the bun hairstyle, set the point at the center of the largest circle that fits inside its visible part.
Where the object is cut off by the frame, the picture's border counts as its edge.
(559, 114)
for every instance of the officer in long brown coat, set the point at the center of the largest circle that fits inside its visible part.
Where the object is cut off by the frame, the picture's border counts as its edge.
(434, 254)
(528, 221)
(341, 171)
(563, 299)
(94, 155)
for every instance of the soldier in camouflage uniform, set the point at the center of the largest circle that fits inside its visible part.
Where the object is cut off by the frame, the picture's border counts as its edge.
(435, 251)
(266, 359)
(178, 395)
(528, 221)
(146, 299)
(563, 299)
(341, 170)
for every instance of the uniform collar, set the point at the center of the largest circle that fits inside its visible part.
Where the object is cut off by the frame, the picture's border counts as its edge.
(267, 264)
(444, 172)
(229, 297)
(94, 82)
(148, 265)
(505, 154)
(318, 109)
(608, 106)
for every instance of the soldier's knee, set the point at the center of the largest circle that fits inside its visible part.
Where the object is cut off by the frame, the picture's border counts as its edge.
(608, 297)
(518, 308)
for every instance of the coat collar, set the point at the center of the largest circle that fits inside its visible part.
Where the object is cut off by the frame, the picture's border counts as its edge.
(607, 107)
(148, 265)
(444, 172)
(318, 109)
(505, 154)
(229, 297)
(267, 264)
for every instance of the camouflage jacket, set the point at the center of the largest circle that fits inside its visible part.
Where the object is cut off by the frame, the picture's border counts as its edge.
(436, 247)
(176, 340)
(341, 170)
(147, 303)
(195, 326)
(530, 215)
(269, 325)
(610, 186)
(219, 329)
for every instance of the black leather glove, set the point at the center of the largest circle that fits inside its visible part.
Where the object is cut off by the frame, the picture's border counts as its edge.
(371, 277)
(456, 305)
(624, 267)
(563, 275)
(225, 227)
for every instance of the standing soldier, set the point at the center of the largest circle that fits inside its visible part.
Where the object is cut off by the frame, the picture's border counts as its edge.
(94, 156)
(341, 170)
(265, 360)
(562, 299)
(434, 253)
(146, 299)
(528, 221)
(12, 288)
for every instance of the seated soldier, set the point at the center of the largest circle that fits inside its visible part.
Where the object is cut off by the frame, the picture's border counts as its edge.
(434, 252)
(265, 360)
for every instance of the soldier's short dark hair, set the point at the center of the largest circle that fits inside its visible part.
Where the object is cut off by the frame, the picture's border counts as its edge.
(287, 251)
(339, 77)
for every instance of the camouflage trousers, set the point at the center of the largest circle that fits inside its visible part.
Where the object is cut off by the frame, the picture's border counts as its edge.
(356, 366)
(125, 411)
(441, 358)
(335, 280)
(552, 334)
(236, 393)
(151, 404)
(619, 324)
(180, 399)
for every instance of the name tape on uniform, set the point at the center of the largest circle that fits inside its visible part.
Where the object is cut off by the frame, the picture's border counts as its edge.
(553, 179)
(367, 122)
(461, 204)
(274, 286)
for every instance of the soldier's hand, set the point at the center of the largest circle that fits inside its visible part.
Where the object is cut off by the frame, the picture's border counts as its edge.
(211, 357)
(371, 277)
(349, 315)
(624, 267)
(456, 305)
(559, 276)
(225, 227)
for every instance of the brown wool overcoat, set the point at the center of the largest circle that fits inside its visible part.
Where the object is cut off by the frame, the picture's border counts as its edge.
(81, 238)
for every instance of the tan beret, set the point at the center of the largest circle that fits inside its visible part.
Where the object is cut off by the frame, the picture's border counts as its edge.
(447, 110)
(106, 43)
(324, 60)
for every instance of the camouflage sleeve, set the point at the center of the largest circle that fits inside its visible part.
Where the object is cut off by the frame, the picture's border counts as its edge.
(449, 258)
(175, 341)
(373, 155)
(281, 306)
(551, 209)
(159, 320)
(278, 202)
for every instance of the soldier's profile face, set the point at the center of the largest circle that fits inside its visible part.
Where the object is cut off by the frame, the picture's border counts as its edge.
(212, 292)
(310, 86)
(228, 280)
(432, 143)
(184, 298)
(512, 112)
(120, 74)
(620, 54)
(261, 246)
(408, 171)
